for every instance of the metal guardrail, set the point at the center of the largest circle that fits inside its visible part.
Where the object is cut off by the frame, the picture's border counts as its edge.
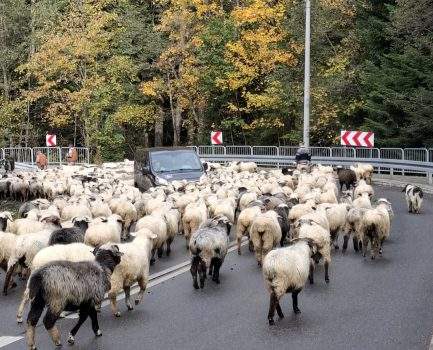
(385, 160)
(55, 155)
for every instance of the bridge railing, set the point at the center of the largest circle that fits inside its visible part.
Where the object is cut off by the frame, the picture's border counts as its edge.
(404, 161)
(55, 155)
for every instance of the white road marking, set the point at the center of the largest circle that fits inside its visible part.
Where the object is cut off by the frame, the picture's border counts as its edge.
(6, 340)
(154, 279)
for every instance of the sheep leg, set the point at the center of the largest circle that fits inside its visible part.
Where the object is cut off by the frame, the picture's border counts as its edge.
(202, 273)
(239, 241)
(364, 246)
(311, 273)
(216, 270)
(250, 245)
(49, 321)
(152, 259)
(355, 244)
(127, 290)
(142, 282)
(112, 295)
(380, 248)
(95, 325)
(36, 309)
(8, 278)
(23, 303)
(169, 241)
(279, 311)
(194, 271)
(83, 314)
(160, 252)
(345, 243)
(295, 301)
(273, 301)
(211, 267)
(326, 271)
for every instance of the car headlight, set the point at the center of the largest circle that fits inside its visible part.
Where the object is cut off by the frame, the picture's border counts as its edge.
(160, 181)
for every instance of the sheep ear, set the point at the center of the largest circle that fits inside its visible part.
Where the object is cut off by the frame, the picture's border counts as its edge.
(8, 216)
(73, 220)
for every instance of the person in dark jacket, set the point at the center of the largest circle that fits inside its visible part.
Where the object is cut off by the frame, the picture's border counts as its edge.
(303, 155)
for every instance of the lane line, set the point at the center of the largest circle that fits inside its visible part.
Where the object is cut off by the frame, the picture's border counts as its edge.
(7, 340)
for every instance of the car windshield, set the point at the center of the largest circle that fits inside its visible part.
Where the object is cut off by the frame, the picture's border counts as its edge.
(172, 161)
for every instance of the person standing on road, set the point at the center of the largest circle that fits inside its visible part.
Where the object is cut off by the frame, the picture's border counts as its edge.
(303, 154)
(72, 156)
(41, 160)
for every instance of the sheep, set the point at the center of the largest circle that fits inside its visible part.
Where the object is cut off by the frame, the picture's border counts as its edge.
(71, 252)
(5, 216)
(4, 188)
(127, 211)
(79, 209)
(414, 197)
(320, 236)
(107, 230)
(265, 233)
(157, 224)
(82, 286)
(194, 215)
(208, 247)
(363, 187)
(363, 201)
(318, 216)
(224, 207)
(245, 199)
(363, 172)
(99, 208)
(283, 220)
(336, 215)
(71, 234)
(27, 225)
(377, 226)
(346, 177)
(285, 270)
(354, 224)
(328, 197)
(245, 219)
(7, 247)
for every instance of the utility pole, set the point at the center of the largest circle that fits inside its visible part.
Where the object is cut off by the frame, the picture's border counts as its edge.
(307, 74)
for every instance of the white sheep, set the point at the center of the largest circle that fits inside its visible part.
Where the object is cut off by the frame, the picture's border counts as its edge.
(126, 210)
(245, 220)
(194, 215)
(285, 270)
(265, 233)
(104, 230)
(363, 187)
(134, 267)
(157, 224)
(321, 237)
(414, 197)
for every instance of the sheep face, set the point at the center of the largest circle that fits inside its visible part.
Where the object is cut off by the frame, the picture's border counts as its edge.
(81, 222)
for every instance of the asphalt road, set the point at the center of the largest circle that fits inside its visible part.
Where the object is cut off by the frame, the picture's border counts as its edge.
(382, 304)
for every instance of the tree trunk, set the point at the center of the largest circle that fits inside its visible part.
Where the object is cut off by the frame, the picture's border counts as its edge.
(159, 128)
(177, 124)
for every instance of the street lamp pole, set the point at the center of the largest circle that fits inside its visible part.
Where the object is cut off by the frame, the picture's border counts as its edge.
(307, 74)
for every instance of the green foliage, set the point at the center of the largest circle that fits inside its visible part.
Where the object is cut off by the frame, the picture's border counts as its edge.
(110, 144)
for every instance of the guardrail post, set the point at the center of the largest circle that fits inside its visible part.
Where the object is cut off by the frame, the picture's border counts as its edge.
(430, 178)
(391, 172)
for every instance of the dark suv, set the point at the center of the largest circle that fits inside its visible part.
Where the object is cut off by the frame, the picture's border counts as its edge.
(159, 166)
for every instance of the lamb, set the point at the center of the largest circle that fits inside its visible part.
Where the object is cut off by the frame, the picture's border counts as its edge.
(285, 270)
(245, 219)
(336, 215)
(414, 197)
(265, 233)
(71, 234)
(82, 286)
(208, 247)
(157, 224)
(377, 226)
(346, 177)
(134, 267)
(109, 230)
(195, 214)
(320, 236)
(71, 252)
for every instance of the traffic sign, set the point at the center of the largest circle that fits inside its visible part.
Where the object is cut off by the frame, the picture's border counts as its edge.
(51, 140)
(216, 137)
(357, 138)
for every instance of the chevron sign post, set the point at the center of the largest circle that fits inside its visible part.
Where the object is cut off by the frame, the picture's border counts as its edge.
(51, 140)
(357, 138)
(216, 137)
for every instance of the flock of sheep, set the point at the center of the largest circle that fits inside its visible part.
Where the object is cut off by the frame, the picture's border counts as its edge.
(82, 232)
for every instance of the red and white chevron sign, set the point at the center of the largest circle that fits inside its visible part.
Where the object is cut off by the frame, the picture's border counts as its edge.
(357, 138)
(51, 140)
(216, 137)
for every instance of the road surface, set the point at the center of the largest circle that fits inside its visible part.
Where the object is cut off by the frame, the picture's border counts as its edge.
(382, 304)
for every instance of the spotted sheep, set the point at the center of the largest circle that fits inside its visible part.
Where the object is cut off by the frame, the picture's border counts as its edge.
(414, 197)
